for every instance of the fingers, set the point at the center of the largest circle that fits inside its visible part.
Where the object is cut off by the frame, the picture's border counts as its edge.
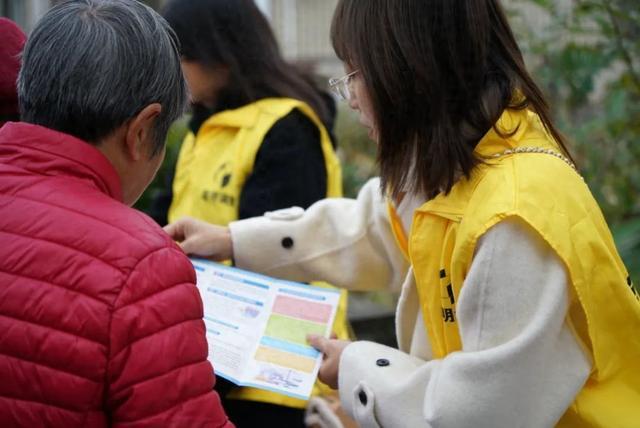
(318, 342)
(177, 229)
(183, 232)
(199, 238)
(173, 230)
(331, 350)
(189, 246)
(327, 376)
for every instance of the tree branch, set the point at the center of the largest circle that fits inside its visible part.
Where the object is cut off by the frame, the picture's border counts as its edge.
(619, 38)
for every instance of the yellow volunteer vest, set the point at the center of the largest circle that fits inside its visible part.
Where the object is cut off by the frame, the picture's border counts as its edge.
(211, 171)
(551, 197)
(213, 166)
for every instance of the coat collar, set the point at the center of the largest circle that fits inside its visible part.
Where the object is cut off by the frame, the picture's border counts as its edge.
(506, 133)
(242, 117)
(248, 115)
(52, 153)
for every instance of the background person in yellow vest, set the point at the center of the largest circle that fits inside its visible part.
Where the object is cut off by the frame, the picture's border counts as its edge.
(516, 310)
(259, 142)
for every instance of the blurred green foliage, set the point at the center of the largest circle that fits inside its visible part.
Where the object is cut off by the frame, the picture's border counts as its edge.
(356, 151)
(164, 177)
(586, 55)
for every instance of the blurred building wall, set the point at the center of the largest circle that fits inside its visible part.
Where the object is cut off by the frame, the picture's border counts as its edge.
(302, 29)
(24, 12)
(301, 26)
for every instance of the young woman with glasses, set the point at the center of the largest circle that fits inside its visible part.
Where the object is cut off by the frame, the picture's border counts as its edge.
(515, 307)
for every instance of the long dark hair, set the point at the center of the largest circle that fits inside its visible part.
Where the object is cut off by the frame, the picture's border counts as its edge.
(439, 74)
(234, 33)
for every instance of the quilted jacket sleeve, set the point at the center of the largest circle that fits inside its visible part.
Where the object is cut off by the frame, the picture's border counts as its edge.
(158, 373)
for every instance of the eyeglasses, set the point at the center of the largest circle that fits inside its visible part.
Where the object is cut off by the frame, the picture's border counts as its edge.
(341, 86)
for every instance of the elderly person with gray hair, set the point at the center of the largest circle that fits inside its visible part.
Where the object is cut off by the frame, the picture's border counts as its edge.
(101, 321)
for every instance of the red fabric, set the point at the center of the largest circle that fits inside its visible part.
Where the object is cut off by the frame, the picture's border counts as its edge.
(100, 320)
(13, 40)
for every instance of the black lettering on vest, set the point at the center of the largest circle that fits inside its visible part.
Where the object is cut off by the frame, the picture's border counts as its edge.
(218, 197)
(207, 195)
(443, 273)
(228, 200)
(448, 315)
(450, 293)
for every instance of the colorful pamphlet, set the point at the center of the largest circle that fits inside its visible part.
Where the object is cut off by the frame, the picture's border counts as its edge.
(257, 327)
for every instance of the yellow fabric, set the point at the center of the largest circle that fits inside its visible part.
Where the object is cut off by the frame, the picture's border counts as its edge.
(211, 171)
(398, 230)
(547, 194)
(213, 166)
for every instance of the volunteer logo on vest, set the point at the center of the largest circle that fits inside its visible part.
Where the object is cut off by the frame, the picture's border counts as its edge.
(221, 179)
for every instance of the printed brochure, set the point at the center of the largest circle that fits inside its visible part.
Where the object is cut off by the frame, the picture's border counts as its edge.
(257, 327)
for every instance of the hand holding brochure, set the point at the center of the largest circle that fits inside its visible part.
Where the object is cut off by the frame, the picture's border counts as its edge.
(257, 327)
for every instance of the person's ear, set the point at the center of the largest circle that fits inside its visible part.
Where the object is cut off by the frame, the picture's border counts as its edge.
(140, 132)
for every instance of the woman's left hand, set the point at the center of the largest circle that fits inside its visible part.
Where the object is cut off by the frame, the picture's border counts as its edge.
(331, 350)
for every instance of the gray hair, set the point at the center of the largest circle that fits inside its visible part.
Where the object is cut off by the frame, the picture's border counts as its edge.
(89, 66)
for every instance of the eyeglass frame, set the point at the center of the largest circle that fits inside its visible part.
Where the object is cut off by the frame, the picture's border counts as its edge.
(340, 86)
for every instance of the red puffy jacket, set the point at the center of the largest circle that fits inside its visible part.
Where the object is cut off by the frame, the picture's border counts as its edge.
(100, 320)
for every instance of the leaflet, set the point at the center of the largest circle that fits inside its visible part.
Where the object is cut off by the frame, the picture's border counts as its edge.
(257, 327)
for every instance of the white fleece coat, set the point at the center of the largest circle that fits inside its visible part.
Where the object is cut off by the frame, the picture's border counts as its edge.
(520, 366)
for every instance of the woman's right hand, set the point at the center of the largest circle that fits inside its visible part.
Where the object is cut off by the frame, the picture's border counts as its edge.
(202, 239)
